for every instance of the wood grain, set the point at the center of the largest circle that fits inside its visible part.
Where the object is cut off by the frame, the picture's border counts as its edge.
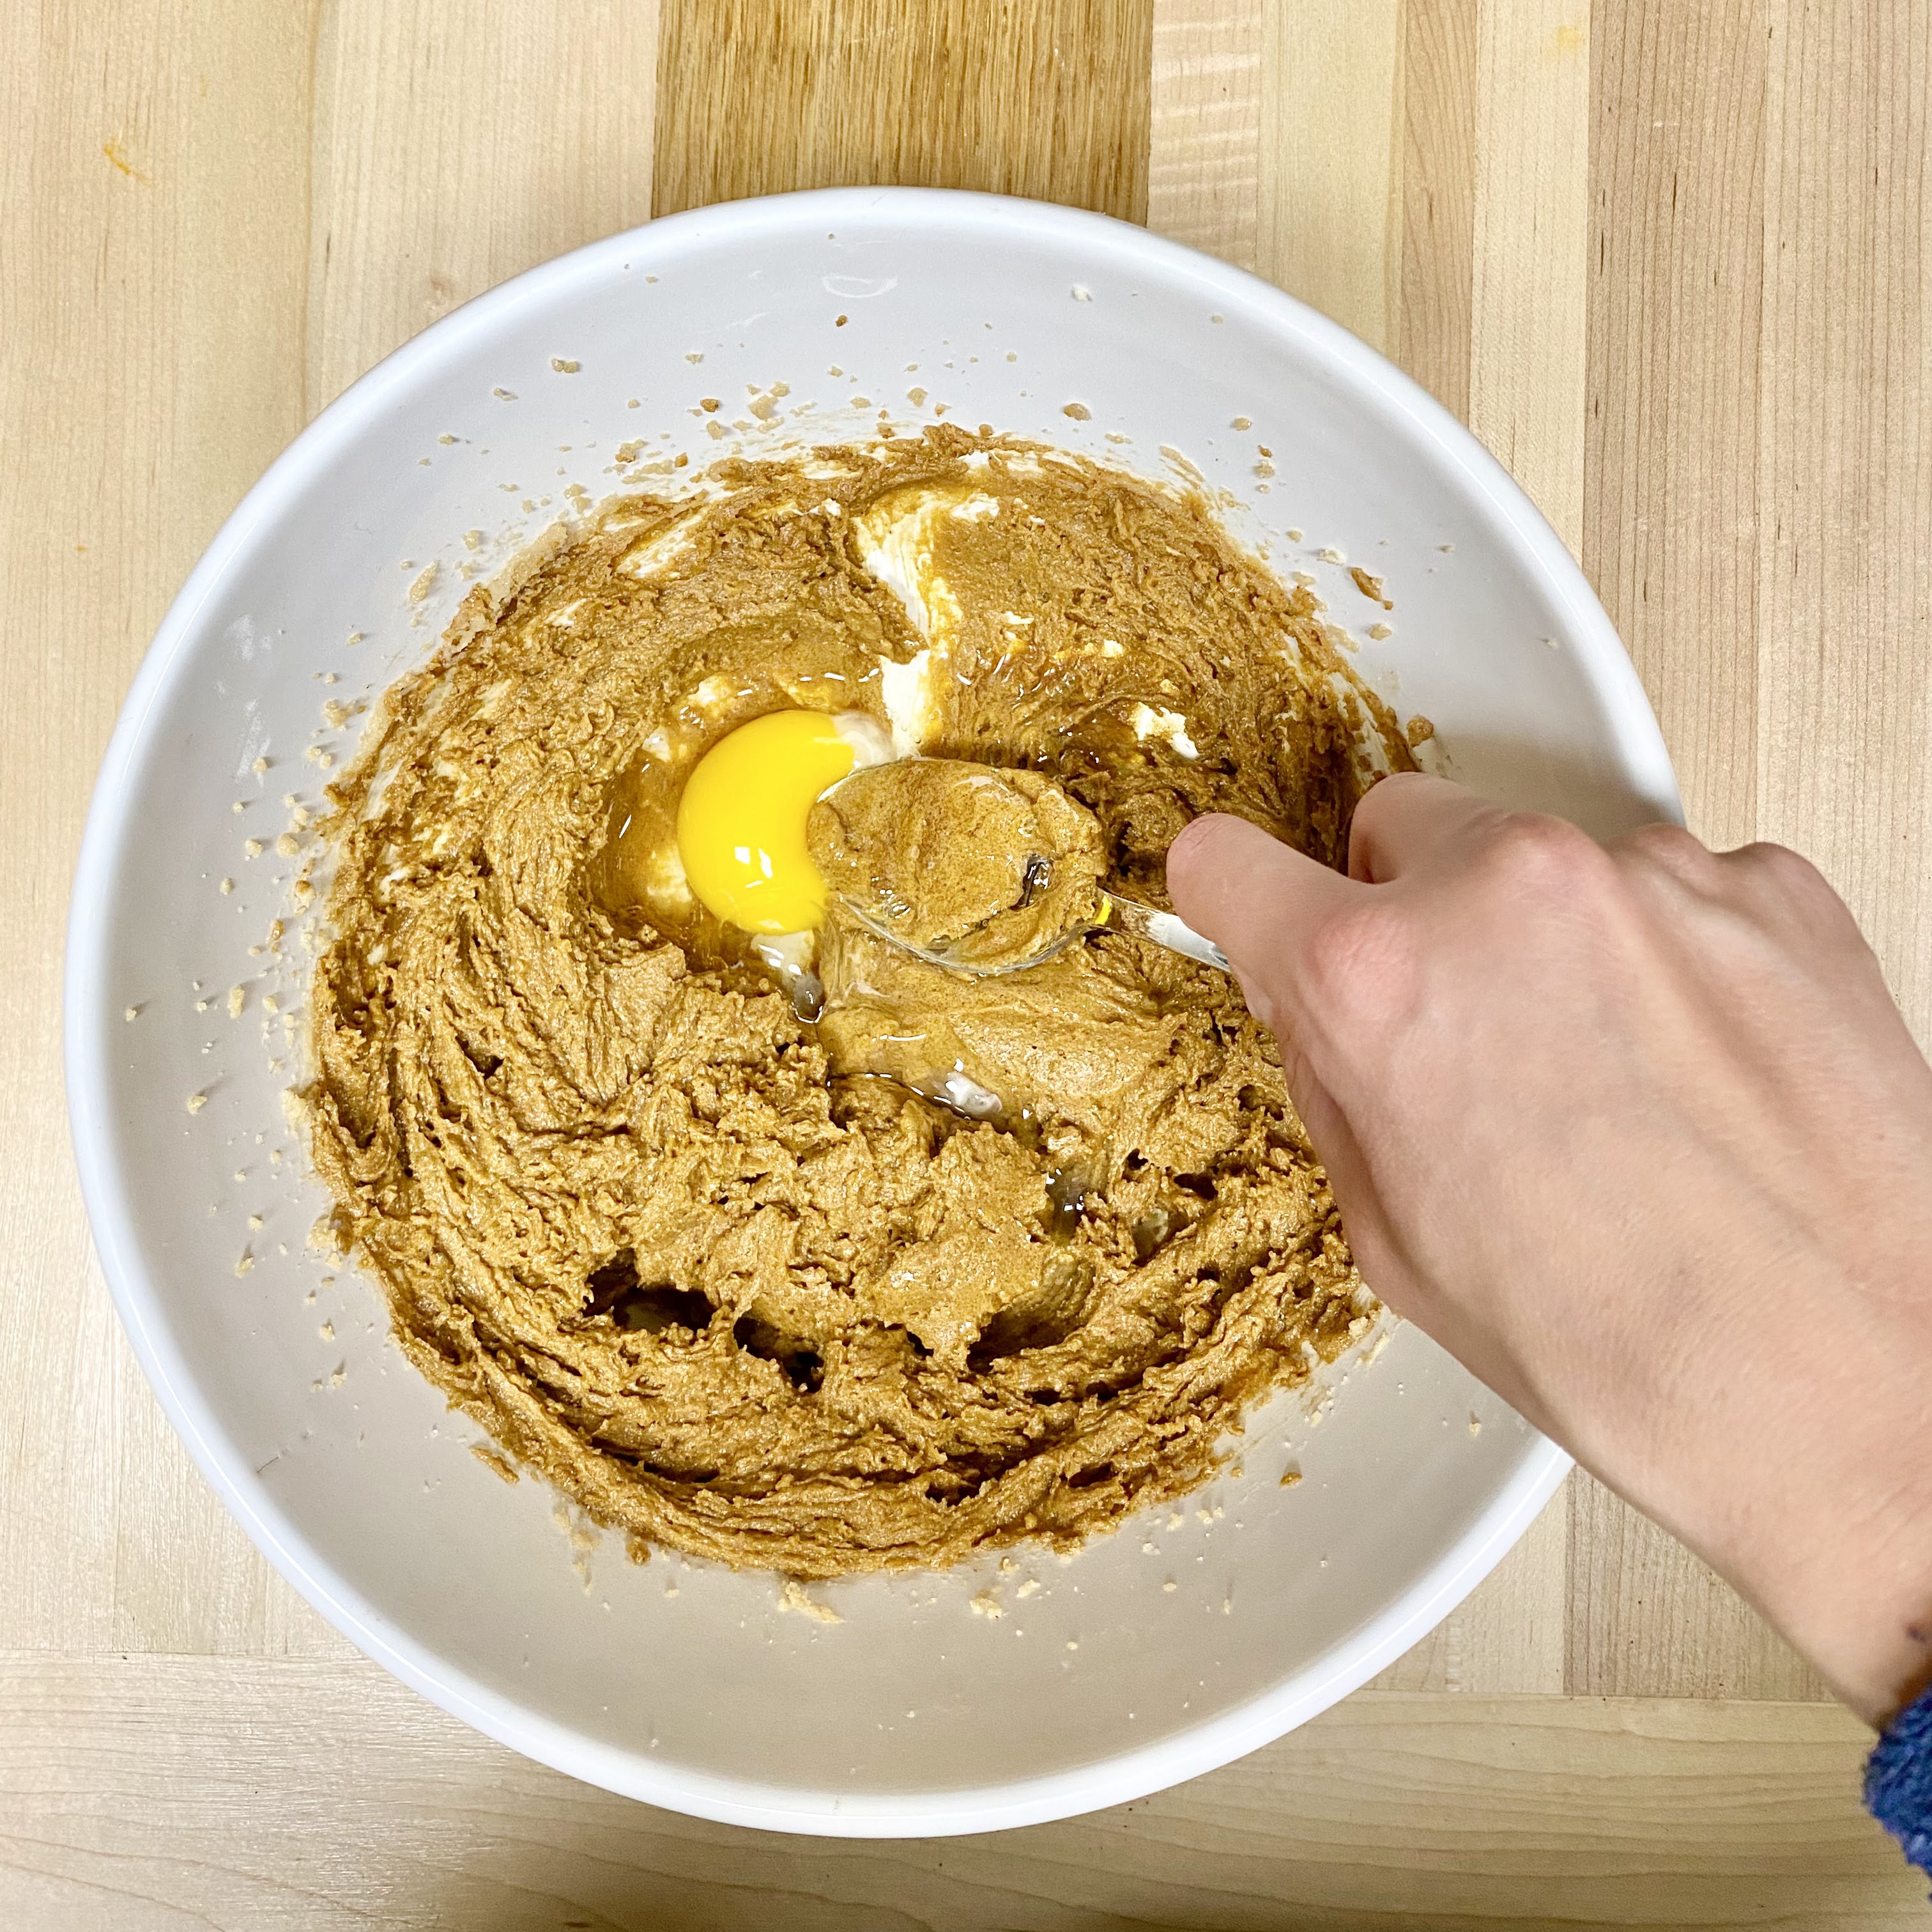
(1676, 260)
(1645, 1613)
(1529, 323)
(154, 191)
(1204, 134)
(1845, 469)
(1328, 209)
(458, 144)
(1047, 98)
(1435, 178)
(1390, 1810)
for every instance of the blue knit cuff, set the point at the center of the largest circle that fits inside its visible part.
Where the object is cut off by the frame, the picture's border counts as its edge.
(1898, 1781)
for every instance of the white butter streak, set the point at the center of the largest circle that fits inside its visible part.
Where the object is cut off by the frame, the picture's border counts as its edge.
(895, 538)
(1172, 725)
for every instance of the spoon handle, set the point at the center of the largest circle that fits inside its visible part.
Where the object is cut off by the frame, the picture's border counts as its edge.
(1164, 929)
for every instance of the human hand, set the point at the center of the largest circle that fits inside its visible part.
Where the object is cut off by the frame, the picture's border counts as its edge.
(1637, 1133)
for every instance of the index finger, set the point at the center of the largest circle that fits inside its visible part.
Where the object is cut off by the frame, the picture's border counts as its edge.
(1407, 820)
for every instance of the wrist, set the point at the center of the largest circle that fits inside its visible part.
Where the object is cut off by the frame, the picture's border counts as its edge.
(1796, 1457)
(1835, 1546)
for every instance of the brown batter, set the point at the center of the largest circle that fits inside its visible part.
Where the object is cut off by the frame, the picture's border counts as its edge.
(984, 867)
(732, 1278)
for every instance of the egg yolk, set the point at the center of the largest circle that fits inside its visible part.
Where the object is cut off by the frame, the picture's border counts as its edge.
(741, 822)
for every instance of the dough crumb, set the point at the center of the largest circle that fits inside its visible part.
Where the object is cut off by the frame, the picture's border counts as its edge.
(245, 1263)
(1419, 730)
(423, 583)
(564, 365)
(987, 1604)
(1378, 631)
(238, 999)
(1370, 587)
(1079, 412)
(1289, 1477)
(226, 886)
(494, 1461)
(130, 1012)
(1027, 1588)
(195, 1102)
(796, 1597)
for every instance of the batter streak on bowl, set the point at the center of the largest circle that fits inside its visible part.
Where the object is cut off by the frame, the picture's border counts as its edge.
(959, 1261)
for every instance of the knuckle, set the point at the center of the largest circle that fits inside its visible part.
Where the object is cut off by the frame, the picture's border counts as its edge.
(1783, 871)
(1669, 847)
(1533, 855)
(1661, 863)
(1786, 884)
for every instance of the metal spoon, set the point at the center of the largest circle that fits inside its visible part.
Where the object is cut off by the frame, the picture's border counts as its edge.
(1114, 914)
(1107, 910)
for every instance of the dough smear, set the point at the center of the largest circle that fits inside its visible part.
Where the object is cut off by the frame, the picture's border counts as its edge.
(946, 1263)
(986, 867)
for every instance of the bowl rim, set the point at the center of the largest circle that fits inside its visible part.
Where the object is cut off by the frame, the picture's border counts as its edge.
(1109, 1781)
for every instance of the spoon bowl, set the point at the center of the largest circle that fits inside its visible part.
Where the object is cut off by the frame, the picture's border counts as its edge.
(1114, 914)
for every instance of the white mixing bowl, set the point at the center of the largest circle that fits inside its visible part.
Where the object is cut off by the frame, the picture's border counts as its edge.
(1169, 1647)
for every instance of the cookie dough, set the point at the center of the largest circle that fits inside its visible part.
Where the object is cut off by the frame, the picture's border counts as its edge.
(955, 1262)
(984, 867)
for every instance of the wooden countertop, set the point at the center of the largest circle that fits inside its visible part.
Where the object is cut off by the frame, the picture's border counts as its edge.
(1669, 259)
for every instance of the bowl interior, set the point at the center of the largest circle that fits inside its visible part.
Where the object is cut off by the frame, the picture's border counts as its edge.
(1191, 1635)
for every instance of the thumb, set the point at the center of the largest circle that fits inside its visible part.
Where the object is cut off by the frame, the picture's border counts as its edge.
(1258, 899)
(1261, 901)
